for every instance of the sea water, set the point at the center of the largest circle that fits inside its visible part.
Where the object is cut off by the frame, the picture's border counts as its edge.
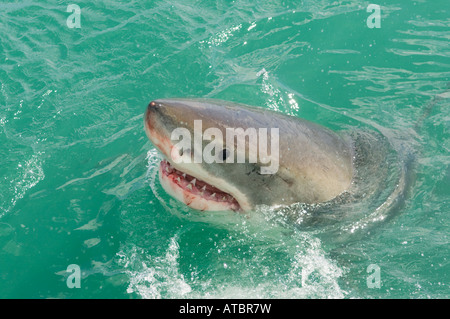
(82, 213)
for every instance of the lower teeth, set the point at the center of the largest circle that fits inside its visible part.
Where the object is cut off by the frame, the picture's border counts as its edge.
(193, 182)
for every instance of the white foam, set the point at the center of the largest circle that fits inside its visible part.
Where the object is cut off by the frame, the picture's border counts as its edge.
(29, 175)
(155, 277)
(310, 274)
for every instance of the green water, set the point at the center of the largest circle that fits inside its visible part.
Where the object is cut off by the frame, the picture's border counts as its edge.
(78, 183)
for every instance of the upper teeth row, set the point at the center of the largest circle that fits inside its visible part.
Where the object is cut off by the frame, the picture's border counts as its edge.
(193, 181)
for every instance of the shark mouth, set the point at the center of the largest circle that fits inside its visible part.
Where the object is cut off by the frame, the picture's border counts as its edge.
(195, 193)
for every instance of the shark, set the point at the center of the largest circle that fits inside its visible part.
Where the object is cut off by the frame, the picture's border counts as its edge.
(307, 163)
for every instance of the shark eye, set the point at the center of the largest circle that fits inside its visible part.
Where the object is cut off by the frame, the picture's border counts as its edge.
(182, 151)
(223, 154)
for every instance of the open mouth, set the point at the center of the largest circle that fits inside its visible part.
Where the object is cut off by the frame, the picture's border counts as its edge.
(194, 192)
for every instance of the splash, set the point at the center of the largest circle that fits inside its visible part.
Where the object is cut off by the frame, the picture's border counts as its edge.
(255, 259)
(154, 277)
(29, 174)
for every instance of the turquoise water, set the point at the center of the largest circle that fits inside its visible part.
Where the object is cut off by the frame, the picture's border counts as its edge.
(78, 175)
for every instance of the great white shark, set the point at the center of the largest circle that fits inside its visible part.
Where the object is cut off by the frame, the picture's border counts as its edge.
(313, 164)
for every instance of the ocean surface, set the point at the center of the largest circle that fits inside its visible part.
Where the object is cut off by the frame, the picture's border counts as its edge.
(82, 213)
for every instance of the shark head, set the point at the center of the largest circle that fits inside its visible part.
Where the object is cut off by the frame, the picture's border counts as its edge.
(225, 156)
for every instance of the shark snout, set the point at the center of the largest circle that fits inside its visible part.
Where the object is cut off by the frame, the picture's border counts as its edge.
(155, 126)
(152, 108)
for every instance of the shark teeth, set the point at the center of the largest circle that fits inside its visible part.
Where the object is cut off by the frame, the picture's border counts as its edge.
(196, 188)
